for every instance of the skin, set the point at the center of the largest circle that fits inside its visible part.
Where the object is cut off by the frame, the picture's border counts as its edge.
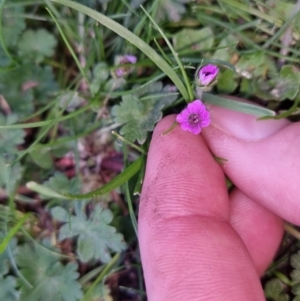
(196, 241)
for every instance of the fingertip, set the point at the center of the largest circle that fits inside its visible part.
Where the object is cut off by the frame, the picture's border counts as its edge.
(266, 169)
(241, 125)
(184, 232)
(260, 229)
(178, 165)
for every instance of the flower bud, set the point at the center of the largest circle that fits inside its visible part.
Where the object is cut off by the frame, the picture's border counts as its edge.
(122, 60)
(206, 76)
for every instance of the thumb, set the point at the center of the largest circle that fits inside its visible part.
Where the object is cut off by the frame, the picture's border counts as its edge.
(262, 158)
(189, 250)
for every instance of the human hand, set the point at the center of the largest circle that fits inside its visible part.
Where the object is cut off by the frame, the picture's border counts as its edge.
(198, 244)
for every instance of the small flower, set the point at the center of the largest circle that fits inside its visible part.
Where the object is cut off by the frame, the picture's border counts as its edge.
(194, 117)
(124, 59)
(207, 74)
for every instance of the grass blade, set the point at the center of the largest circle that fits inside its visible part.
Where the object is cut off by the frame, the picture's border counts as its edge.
(68, 45)
(189, 88)
(236, 105)
(117, 181)
(11, 233)
(132, 38)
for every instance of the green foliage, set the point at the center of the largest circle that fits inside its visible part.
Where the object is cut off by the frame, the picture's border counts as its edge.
(255, 65)
(227, 82)
(12, 24)
(29, 83)
(39, 78)
(92, 3)
(287, 83)
(140, 111)
(4, 257)
(42, 156)
(8, 290)
(10, 175)
(171, 9)
(226, 49)
(70, 101)
(96, 237)
(274, 290)
(295, 274)
(49, 278)
(61, 183)
(100, 75)
(100, 293)
(10, 139)
(37, 44)
(9, 142)
(193, 39)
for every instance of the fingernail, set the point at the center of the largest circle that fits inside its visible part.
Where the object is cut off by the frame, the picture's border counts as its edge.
(244, 126)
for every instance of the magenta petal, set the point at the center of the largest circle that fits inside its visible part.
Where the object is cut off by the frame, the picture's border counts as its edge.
(119, 72)
(195, 106)
(180, 118)
(184, 126)
(205, 123)
(194, 117)
(194, 129)
(183, 116)
(207, 74)
(131, 58)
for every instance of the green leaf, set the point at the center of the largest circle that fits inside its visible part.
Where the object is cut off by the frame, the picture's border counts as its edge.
(61, 183)
(12, 232)
(255, 65)
(42, 156)
(295, 263)
(8, 290)
(274, 289)
(46, 85)
(100, 75)
(70, 101)
(170, 9)
(37, 44)
(4, 59)
(96, 237)
(4, 257)
(9, 175)
(29, 82)
(50, 279)
(100, 293)
(296, 289)
(57, 185)
(60, 214)
(12, 24)
(226, 82)
(132, 38)
(10, 139)
(295, 274)
(193, 39)
(139, 114)
(227, 49)
(287, 84)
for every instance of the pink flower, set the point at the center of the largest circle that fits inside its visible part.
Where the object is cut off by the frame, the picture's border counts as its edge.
(194, 117)
(124, 59)
(207, 74)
